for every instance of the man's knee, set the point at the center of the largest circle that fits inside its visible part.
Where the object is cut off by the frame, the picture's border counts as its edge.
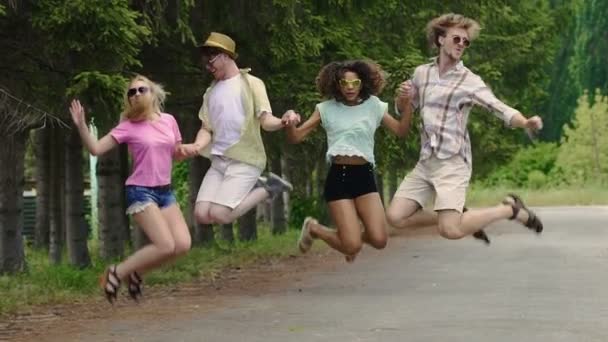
(221, 215)
(398, 212)
(201, 214)
(450, 231)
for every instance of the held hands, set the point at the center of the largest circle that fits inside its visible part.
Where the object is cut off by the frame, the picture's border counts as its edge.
(405, 91)
(184, 151)
(290, 118)
(77, 112)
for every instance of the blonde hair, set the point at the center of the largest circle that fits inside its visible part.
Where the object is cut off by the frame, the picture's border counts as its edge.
(158, 99)
(440, 25)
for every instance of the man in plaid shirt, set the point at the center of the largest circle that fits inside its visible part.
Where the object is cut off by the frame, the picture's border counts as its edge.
(444, 91)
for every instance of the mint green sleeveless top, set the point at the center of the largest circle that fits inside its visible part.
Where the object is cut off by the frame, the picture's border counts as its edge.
(350, 129)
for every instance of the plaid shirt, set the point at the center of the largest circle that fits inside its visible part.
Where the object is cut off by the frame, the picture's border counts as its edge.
(445, 103)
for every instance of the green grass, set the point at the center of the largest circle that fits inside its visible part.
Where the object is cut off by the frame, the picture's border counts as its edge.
(570, 196)
(51, 284)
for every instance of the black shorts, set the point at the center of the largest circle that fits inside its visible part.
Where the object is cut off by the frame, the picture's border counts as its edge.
(349, 181)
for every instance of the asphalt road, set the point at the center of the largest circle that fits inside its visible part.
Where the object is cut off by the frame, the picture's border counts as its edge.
(523, 287)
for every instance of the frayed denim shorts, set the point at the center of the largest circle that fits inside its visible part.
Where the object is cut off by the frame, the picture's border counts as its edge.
(139, 197)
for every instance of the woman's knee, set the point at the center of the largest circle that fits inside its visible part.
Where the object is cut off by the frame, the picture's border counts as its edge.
(166, 248)
(182, 245)
(378, 241)
(351, 247)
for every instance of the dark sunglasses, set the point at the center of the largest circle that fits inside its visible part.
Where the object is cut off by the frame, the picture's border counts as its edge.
(458, 39)
(142, 90)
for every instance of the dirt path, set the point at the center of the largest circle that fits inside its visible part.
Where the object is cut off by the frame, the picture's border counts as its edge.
(200, 295)
(42, 323)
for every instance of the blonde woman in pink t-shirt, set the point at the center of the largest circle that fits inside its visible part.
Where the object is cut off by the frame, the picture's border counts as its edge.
(152, 137)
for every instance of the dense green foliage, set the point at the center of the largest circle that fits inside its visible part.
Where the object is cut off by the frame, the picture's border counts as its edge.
(537, 56)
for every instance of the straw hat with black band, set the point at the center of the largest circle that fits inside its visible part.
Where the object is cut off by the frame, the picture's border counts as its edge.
(221, 42)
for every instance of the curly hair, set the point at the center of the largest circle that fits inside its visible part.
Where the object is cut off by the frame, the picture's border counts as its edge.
(370, 73)
(439, 26)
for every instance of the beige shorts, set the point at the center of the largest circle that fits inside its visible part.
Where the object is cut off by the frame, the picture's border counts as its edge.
(445, 180)
(227, 182)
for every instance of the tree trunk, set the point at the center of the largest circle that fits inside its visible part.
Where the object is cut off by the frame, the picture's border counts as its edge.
(393, 183)
(202, 233)
(76, 227)
(248, 228)
(110, 204)
(227, 232)
(125, 168)
(42, 152)
(12, 154)
(380, 186)
(56, 231)
(595, 147)
(277, 208)
(139, 238)
(321, 173)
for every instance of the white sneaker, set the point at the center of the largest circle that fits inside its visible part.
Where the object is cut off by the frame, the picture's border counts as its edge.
(305, 241)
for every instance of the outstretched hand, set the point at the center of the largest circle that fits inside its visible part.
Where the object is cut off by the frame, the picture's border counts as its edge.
(534, 123)
(533, 126)
(77, 112)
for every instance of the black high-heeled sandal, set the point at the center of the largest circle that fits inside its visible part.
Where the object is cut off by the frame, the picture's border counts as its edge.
(134, 286)
(110, 283)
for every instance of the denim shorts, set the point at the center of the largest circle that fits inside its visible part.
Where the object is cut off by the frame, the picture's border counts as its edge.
(349, 181)
(139, 197)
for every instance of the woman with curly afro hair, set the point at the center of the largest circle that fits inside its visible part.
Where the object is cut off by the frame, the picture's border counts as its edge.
(350, 116)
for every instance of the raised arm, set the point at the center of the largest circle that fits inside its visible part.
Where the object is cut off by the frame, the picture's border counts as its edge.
(94, 146)
(484, 97)
(295, 135)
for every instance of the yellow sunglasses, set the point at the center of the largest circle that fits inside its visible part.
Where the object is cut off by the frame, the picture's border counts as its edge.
(356, 83)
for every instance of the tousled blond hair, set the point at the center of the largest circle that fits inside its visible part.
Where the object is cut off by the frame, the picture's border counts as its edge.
(440, 25)
(158, 99)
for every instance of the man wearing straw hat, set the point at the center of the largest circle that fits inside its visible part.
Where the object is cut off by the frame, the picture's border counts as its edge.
(234, 108)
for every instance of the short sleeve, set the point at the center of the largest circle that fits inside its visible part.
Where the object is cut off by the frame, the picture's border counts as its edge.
(381, 109)
(262, 104)
(203, 112)
(322, 109)
(121, 132)
(176, 133)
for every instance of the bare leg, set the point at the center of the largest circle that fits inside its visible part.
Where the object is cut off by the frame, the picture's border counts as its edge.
(404, 213)
(162, 245)
(180, 233)
(347, 238)
(370, 210)
(224, 215)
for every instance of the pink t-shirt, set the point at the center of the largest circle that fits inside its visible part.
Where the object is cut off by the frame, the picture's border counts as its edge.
(152, 144)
